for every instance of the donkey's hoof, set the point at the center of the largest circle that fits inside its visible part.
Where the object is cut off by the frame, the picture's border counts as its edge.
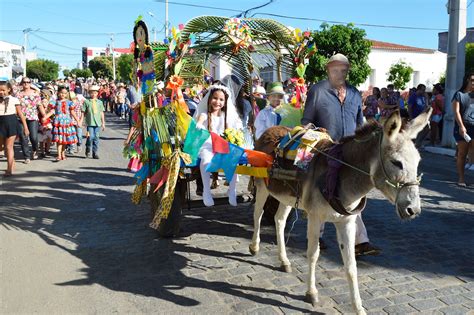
(253, 251)
(312, 298)
(286, 268)
(361, 312)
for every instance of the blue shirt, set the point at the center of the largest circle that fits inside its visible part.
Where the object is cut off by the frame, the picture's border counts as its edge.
(323, 109)
(417, 104)
(134, 95)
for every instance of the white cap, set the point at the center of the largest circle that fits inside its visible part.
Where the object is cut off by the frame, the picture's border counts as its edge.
(259, 89)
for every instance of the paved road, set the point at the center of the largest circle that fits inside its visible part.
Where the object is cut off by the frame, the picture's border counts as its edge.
(72, 242)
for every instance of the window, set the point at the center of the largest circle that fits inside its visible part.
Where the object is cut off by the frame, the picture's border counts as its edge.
(373, 78)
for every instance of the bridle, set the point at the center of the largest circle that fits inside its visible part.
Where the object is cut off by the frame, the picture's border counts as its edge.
(398, 185)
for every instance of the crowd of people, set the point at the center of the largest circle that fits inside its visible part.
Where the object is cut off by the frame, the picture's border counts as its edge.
(63, 111)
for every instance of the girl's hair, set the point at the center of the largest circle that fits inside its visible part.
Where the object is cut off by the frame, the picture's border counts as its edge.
(60, 88)
(465, 80)
(226, 97)
(8, 84)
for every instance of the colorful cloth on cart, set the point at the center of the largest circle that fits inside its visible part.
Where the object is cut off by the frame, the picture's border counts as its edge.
(29, 105)
(63, 128)
(301, 150)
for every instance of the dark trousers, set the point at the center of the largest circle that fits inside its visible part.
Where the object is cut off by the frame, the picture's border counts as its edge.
(33, 126)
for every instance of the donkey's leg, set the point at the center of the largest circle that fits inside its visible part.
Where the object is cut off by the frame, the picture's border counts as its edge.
(346, 238)
(260, 198)
(314, 225)
(280, 222)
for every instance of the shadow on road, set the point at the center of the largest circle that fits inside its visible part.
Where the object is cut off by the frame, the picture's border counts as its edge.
(90, 207)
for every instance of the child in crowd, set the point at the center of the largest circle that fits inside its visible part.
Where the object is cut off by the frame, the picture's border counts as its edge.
(121, 101)
(216, 112)
(45, 130)
(78, 100)
(93, 110)
(267, 117)
(63, 128)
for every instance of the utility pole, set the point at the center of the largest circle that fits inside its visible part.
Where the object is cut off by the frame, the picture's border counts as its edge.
(113, 54)
(166, 19)
(455, 65)
(25, 42)
(154, 34)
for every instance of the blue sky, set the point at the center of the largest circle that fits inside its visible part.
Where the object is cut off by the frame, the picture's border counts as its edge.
(106, 16)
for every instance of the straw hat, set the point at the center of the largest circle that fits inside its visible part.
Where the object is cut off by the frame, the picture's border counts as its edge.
(338, 59)
(94, 88)
(275, 88)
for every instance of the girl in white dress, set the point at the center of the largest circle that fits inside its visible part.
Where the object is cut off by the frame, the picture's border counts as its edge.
(216, 112)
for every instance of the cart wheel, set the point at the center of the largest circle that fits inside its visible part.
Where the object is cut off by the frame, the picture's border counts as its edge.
(170, 227)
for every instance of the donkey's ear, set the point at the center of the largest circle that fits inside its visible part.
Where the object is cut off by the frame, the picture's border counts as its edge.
(417, 124)
(392, 125)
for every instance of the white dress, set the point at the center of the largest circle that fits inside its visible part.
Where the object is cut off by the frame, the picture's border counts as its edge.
(217, 126)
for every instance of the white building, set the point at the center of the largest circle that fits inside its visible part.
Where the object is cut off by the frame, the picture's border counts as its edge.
(89, 53)
(12, 62)
(428, 64)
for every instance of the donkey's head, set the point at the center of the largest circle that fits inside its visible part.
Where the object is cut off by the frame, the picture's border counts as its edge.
(396, 173)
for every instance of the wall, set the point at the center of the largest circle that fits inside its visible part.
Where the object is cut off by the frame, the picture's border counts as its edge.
(428, 67)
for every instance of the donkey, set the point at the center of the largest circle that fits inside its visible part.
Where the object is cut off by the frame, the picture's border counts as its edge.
(383, 157)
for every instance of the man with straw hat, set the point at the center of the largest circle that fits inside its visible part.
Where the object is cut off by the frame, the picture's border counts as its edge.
(267, 117)
(337, 106)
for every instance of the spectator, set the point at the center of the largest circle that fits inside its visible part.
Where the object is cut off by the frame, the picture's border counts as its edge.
(9, 109)
(416, 105)
(371, 104)
(437, 103)
(29, 100)
(121, 101)
(463, 111)
(388, 103)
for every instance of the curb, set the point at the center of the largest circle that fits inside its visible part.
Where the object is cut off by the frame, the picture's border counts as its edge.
(441, 150)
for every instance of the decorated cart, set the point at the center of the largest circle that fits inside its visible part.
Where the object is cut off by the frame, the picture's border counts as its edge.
(164, 140)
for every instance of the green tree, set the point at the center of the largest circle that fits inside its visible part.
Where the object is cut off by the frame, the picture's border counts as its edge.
(469, 57)
(124, 67)
(344, 39)
(101, 67)
(42, 69)
(66, 72)
(82, 73)
(399, 74)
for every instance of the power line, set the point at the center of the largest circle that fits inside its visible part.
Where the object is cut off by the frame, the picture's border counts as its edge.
(305, 18)
(469, 4)
(85, 34)
(246, 12)
(359, 24)
(54, 43)
(73, 34)
(199, 6)
(52, 52)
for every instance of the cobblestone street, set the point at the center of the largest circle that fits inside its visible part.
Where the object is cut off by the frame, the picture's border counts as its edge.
(72, 242)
